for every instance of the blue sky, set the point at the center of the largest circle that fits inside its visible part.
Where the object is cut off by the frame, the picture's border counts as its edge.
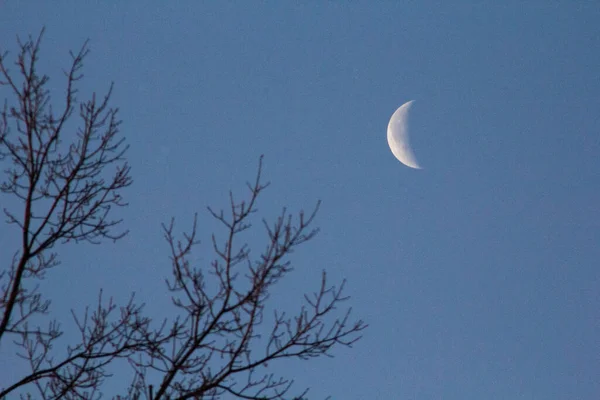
(478, 275)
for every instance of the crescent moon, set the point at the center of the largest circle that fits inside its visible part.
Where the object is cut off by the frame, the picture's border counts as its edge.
(397, 136)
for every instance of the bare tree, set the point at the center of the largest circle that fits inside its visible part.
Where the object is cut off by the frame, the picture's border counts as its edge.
(226, 333)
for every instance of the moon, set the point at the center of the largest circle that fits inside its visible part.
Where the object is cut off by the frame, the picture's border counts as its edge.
(397, 136)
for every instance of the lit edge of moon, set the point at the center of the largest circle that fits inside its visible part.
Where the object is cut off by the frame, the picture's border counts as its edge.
(398, 139)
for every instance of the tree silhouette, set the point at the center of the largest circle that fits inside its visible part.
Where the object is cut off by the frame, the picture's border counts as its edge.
(220, 343)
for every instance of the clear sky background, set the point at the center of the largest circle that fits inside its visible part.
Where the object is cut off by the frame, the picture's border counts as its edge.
(478, 275)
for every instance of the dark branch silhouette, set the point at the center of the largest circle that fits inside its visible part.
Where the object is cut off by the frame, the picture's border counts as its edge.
(226, 333)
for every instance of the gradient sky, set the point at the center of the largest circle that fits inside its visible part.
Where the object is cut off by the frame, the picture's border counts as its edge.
(478, 275)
